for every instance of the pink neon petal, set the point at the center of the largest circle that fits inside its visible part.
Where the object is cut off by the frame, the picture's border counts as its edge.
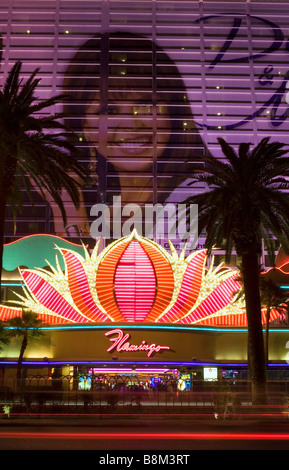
(135, 283)
(50, 298)
(216, 301)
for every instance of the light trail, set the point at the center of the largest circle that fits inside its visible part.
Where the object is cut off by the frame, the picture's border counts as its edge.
(141, 436)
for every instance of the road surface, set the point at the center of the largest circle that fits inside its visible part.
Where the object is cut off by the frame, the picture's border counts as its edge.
(142, 434)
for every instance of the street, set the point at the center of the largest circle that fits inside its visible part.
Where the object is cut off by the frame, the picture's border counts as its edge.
(142, 435)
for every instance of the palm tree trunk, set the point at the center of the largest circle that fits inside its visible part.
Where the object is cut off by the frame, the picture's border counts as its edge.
(2, 231)
(7, 176)
(267, 334)
(256, 352)
(20, 359)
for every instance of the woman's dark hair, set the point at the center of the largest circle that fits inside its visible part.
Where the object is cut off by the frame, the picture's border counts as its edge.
(129, 56)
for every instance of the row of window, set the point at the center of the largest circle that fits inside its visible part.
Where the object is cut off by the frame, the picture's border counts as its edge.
(147, 109)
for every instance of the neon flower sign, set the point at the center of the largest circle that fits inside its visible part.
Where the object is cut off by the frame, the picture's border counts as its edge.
(120, 344)
(133, 280)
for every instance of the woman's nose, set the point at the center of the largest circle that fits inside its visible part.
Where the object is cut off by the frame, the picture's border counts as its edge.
(131, 117)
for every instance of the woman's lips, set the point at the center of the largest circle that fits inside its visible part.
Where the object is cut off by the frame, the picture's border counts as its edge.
(134, 145)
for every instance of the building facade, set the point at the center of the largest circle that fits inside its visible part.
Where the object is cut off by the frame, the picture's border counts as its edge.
(151, 86)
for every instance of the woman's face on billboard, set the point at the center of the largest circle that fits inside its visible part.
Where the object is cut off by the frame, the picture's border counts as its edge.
(124, 131)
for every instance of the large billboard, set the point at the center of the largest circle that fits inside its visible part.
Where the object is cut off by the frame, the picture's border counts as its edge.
(151, 86)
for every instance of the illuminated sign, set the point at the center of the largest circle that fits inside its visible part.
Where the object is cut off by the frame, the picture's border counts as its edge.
(120, 344)
(210, 373)
(184, 382)
(133, 280)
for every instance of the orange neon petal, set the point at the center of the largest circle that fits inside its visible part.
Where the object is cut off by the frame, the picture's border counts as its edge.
(189, 290)
(239, 319)
(105, 281)
(6, 313)
(79, 288)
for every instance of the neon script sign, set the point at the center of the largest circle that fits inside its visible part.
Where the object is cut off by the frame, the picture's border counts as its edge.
(120, 344)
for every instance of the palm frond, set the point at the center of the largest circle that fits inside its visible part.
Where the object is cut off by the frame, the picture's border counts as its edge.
(35, 145)
(244, 195)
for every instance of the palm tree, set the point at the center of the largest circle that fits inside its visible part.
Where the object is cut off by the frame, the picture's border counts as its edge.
(273, 297)
(4, 337)
(34, 149)
(242, 204)
(26, 327)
